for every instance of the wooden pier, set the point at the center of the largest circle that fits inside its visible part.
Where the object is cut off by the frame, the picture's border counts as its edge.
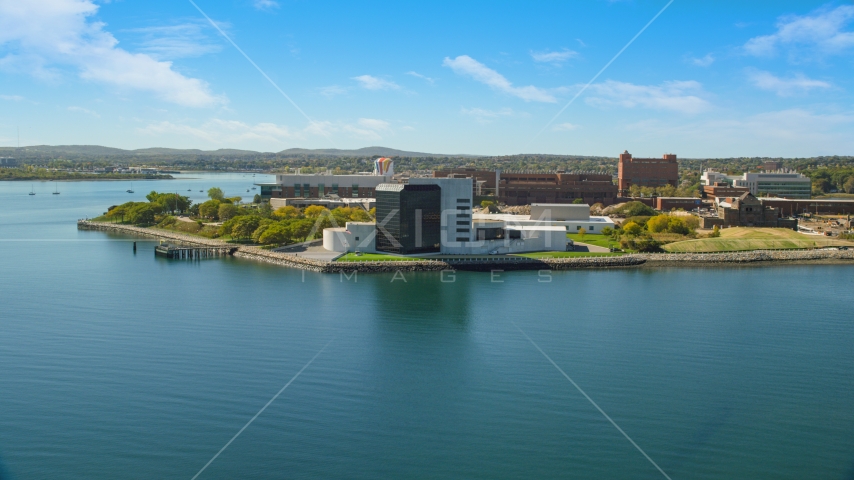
(185, 252)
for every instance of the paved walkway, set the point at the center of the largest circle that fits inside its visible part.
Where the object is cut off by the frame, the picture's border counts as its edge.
(586, 247)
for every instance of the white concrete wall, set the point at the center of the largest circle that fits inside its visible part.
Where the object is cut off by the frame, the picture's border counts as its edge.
(555, 211)
(593, 225)
(359, 236)
(534, 239)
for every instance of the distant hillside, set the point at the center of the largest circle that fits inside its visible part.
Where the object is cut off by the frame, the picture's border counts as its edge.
(96, 150)
(363, 152)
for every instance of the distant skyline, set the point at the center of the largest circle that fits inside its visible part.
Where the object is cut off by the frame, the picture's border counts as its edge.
(705, 79)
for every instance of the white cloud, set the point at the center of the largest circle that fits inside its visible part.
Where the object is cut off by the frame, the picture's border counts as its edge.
(174, 41)
(229, 132)
(565, 127)
(555, 58)
(678, 96)
(224, 132)
(704, 61)
(83, 110)
(373, 83)
(486, 116)
(820, 32)
(332, 91)
(51, 34)
(266, 4)
(367, 128)
(429, 80)
(784, 87)
(12, 98)
(467, 66)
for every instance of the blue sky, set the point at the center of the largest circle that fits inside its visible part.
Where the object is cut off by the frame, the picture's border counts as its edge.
(705, 79)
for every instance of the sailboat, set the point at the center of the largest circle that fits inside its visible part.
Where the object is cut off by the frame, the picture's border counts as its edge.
(56, 191)
(130, 190)
(32, 192)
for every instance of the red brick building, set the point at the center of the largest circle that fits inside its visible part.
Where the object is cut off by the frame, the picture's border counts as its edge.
(647, 172)
(723, 190)
(519, 188)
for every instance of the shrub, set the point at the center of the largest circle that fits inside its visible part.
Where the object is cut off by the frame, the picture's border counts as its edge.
(635, 209)
(632, 229)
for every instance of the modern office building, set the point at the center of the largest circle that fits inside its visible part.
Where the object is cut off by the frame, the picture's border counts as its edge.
(646, 172)
(782, 184)
(525, 188)
(408, 218)
(318, 186)
(434, 216)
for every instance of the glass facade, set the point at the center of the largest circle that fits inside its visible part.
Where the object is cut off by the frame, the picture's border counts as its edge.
(355, 192)
(297, 190)
(411, 217)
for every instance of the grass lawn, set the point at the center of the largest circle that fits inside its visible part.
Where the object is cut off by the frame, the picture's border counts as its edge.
(745, 238)
(590, 239)
(565, 254)
(376, 257)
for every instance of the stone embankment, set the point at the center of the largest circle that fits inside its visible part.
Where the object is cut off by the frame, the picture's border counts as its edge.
(493, 263)
(840, 256)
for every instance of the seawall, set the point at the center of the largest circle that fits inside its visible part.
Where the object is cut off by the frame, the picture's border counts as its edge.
(493, 263)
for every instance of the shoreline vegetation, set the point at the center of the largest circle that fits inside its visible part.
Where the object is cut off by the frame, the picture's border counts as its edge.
(43, 175)
(495, 263)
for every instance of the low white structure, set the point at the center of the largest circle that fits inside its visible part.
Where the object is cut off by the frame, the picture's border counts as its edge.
(355, 236)
(571, 218)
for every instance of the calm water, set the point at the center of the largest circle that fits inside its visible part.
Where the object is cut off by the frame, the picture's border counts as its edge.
(122, 365)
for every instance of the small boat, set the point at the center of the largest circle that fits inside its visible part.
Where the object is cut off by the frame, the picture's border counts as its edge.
(247, 190)
(32, 192)
(56, 191)
(189, 189)
(254, 188)
(201, 191)
(130, 190)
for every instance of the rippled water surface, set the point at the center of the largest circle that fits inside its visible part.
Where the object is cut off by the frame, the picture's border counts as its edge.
(123, 365)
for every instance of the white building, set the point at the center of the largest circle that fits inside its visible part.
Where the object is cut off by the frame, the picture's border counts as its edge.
(783, 184)
(571, 218)
(462, 235)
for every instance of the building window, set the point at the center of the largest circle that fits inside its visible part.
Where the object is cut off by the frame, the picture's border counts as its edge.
(463, 200)
(355, 192)
(297, 192)
(357, 239)
(335, 189)
(463, 230)
(578, 227)
(462, 222)
(321, 189)
(306, 190)
(462, 239)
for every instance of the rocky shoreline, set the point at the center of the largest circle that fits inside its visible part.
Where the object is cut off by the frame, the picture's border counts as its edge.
(496, 263)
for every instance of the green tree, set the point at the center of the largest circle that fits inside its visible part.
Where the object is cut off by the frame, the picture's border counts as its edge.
(215, 193)
(287, 212)
(657, 224)
(582, 232)
(256, 198)
(716, 232)
(635, 191)
(314, 211)
(226, 211)
(487, 203)
(849, 185)
(244, 226)
(632, 228)
(140, 214)
(578, 201)
(210, 209)
(275, 234)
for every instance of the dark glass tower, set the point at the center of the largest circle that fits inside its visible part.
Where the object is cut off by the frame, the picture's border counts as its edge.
(408, 218)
